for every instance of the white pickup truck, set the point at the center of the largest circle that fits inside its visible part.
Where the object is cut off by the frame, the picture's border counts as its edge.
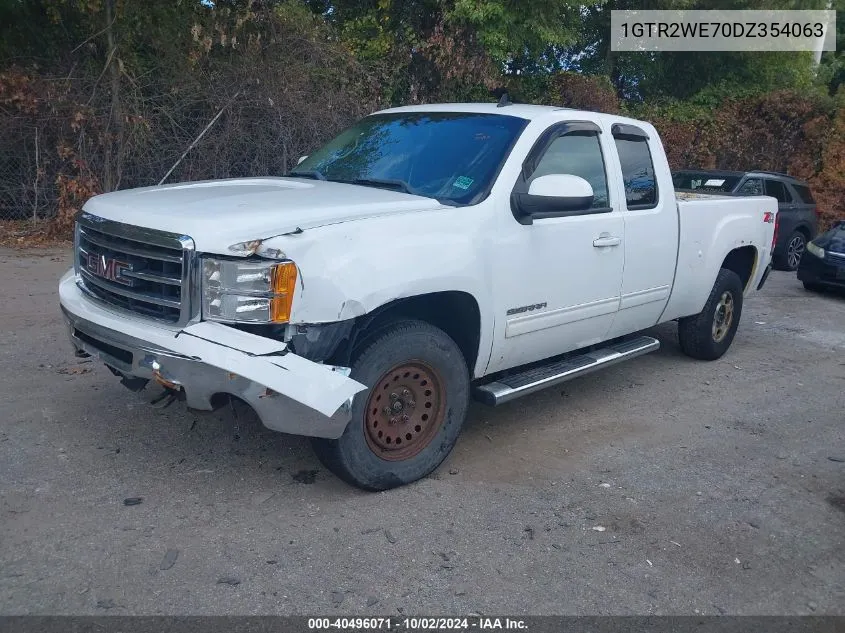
(426, 255)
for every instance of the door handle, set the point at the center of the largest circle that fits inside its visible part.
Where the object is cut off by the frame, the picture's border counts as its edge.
(606, 240)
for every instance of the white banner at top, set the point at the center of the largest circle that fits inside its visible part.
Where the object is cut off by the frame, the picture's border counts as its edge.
(728, 30)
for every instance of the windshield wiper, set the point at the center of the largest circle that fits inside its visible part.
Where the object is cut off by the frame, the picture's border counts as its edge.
(389, 183)
(382, 183)
(312, 173)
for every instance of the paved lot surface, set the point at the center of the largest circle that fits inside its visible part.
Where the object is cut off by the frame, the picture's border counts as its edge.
(720, 487)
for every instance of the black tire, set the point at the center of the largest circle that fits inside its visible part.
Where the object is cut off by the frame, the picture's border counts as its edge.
(362, 459)
(793, 250)
(808, 285)
(698, 334)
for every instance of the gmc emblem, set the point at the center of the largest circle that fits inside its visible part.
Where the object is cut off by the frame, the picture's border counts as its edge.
(107, 268)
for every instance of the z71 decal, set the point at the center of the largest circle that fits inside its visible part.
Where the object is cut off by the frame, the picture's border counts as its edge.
(530, 308)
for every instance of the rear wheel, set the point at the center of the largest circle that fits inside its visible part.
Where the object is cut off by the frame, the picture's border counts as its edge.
(813, 287)
(709, 334)
(409, 419)
(793, 251)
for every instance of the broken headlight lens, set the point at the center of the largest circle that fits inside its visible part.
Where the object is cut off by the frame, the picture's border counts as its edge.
(251, 291)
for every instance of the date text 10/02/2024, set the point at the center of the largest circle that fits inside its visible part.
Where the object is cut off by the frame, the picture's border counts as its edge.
(416, 624)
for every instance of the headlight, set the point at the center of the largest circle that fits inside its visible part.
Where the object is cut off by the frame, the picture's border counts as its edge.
(251, 291)
(818, 251)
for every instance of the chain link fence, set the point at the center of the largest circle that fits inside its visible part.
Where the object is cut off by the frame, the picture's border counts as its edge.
(65, 136)
(25, 191)
(244, 140)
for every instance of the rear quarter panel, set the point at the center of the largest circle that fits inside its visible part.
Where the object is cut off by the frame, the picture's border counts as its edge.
(710, 228)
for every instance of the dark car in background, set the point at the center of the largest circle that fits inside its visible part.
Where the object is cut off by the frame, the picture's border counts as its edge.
(797, 219)
(823, 264)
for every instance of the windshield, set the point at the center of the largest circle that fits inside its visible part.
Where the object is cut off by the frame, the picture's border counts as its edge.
(450, 156)
(704, 181)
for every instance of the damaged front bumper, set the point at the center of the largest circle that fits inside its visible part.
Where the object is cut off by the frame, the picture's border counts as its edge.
(289, 393)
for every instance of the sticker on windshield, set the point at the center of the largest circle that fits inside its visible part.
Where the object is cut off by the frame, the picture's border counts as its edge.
(462, 182)
(714, 182)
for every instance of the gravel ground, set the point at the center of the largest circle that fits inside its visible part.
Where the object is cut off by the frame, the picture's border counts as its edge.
(660, 486)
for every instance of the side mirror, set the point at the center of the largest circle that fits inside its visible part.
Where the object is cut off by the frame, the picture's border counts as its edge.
(557, 192)
(301, 158)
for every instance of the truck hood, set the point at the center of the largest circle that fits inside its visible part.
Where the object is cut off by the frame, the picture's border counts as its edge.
(219, 213)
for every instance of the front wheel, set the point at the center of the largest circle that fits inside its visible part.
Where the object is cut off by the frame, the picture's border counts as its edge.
(409, 419)
(709, 334)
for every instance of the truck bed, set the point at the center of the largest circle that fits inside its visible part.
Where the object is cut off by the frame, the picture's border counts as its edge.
(708, 225)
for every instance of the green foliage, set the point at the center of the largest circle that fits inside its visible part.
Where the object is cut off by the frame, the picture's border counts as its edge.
(509, 29)
(452, 49)
(831, 72)
(423, 49)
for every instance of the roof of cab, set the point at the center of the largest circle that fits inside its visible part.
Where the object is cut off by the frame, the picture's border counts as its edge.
(523, 111)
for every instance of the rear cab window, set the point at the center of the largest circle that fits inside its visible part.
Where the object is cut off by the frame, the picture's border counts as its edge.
(637, 166)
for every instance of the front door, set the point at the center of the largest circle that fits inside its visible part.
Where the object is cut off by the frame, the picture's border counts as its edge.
(559, 278)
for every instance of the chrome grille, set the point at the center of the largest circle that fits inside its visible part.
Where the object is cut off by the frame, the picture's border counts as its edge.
(139, 270)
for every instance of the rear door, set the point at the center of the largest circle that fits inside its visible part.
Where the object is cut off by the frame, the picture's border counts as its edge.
(806, 206)
(787, 212)
(651, 229)
(780, 191)
(786, 205)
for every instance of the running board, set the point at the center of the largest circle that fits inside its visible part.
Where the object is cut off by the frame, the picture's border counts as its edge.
(531, 380)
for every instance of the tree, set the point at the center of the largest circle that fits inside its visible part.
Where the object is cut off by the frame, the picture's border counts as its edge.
(832, 68)
(453, 49)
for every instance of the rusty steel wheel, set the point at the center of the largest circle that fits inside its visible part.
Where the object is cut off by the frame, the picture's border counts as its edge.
(405, 410)
(409, 419)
